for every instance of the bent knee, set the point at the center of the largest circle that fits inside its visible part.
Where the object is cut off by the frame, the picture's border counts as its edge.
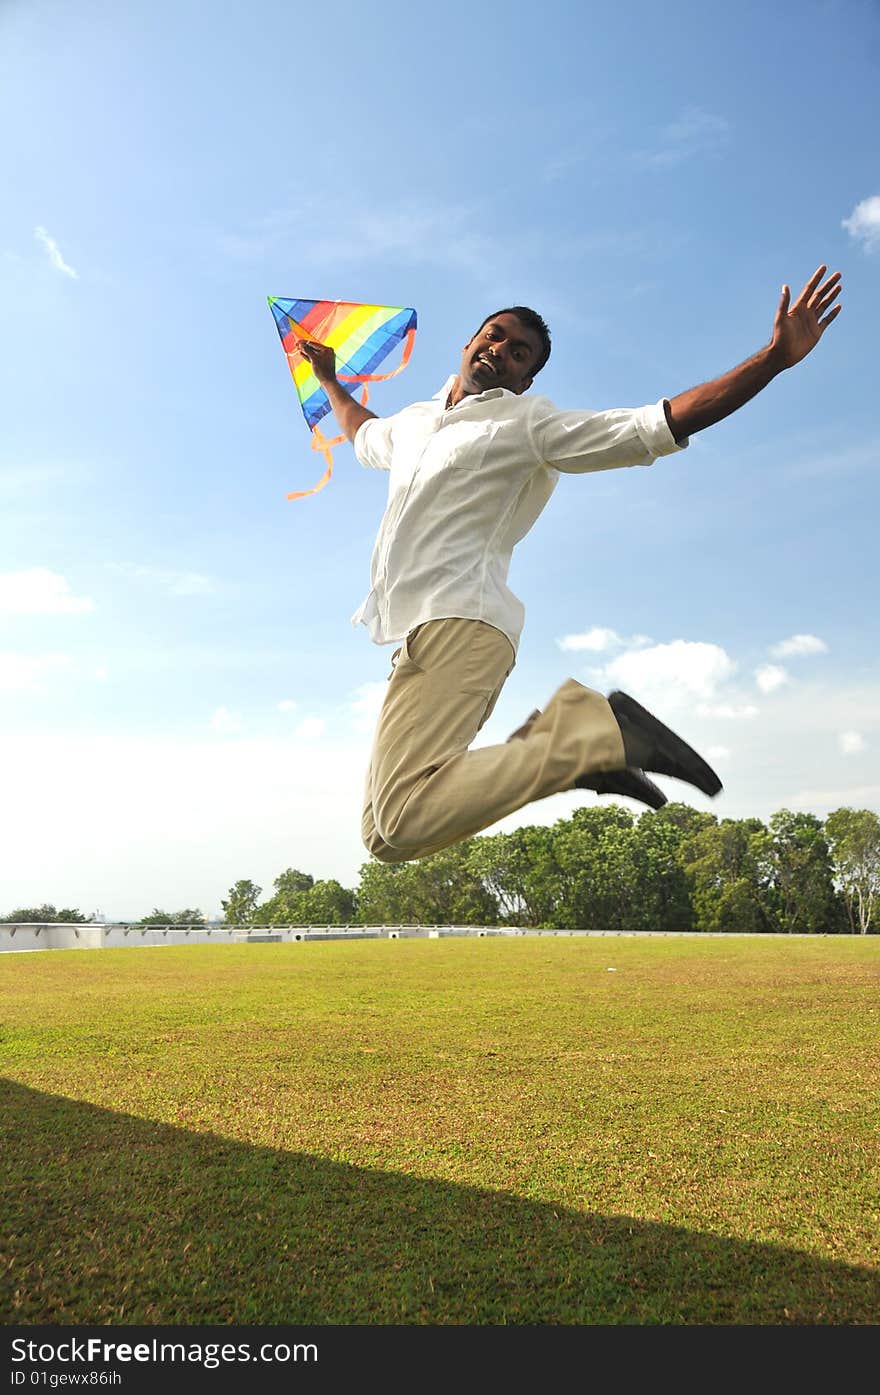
(383, 852)
(391, 841)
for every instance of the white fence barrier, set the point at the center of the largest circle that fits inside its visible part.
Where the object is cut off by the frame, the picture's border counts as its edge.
(24, 937)
(54, 936)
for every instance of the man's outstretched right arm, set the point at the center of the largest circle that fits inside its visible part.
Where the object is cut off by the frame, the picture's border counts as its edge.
(349, 413)
(797, 330)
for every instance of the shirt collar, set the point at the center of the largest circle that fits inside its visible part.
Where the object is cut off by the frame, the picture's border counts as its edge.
(486, 396)
(444, 392)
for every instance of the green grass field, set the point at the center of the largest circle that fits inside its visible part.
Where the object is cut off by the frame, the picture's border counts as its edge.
(456, 1131)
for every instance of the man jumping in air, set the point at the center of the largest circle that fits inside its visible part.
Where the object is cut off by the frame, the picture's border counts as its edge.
(469, 473)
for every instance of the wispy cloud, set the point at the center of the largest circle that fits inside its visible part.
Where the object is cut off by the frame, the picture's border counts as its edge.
(821, 800)
(769, 677)
(695, 132)
(38, 591)
(797, 645)
(597, 150)
(310, 729)
(851, 742)
(227, 723)
(428, 235)
(451, 236)
(728, 711)
(863, 224)
(599, 639)
(174, 583)
(26, 481)
(54, 253)
(250, 800)
(363, 709)
(25, 672)
(863, 456)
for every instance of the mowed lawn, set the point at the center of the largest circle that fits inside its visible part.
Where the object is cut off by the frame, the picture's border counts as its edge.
(455, 1131)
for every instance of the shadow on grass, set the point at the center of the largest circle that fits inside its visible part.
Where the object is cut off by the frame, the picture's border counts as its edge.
(114, 1219)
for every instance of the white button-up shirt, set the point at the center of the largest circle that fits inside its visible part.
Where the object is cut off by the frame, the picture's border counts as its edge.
(466, 484)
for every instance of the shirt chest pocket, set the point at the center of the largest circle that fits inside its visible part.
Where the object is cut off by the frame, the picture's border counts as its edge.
(458, 445)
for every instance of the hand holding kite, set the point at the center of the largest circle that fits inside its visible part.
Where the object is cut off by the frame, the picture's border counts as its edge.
(346, 341)
(322, 358)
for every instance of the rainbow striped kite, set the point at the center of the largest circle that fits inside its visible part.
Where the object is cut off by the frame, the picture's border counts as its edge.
(362, 336)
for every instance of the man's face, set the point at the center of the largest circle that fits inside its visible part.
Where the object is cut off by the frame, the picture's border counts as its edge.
(501, 354)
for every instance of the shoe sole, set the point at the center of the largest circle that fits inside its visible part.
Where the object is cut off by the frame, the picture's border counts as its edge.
(684, 762)
(622, 783)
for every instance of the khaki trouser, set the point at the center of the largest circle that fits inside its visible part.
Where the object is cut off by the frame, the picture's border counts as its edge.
(425, 789)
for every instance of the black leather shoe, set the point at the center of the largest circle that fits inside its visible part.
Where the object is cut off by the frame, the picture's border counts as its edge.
(649, 745)
(633, 783)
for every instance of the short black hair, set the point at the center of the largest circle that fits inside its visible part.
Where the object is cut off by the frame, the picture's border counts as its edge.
(532, 320)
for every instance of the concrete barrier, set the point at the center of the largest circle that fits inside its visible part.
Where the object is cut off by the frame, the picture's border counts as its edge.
(28, 938)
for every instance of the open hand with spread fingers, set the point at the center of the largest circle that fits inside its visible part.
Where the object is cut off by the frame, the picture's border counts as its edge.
(798, 328)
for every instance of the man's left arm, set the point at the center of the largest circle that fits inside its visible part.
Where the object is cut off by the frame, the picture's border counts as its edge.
(797, 330)
(350, 414)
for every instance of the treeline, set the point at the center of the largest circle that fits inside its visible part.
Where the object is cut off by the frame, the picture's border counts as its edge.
(673, 869)
(44, 915)
(48, 915)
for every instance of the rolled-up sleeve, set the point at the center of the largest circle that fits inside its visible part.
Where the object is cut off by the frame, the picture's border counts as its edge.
(576, 442)
(373, 442)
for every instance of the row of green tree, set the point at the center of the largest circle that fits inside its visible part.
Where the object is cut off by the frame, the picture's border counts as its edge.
(48, 915)
(673, 869)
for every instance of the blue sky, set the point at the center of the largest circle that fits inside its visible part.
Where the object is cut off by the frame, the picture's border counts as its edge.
(184, 701)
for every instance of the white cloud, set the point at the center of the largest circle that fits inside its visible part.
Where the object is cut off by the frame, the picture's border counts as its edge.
(22, 482)
(718, 754)
(770, 677)
(791, 757)
(310, 729)
(727, 711)
(190, 584)
(229, 723)
(176, 583)
(38, 591)
(863, 223)
(851, 742)
(54, 253)
(249, 802)
(365, 705)
(226, 722)
(102, 673)
(821, 799)
(674, 673)
(25, 672)
(799, 644)
(430, 234)
(595, 640)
